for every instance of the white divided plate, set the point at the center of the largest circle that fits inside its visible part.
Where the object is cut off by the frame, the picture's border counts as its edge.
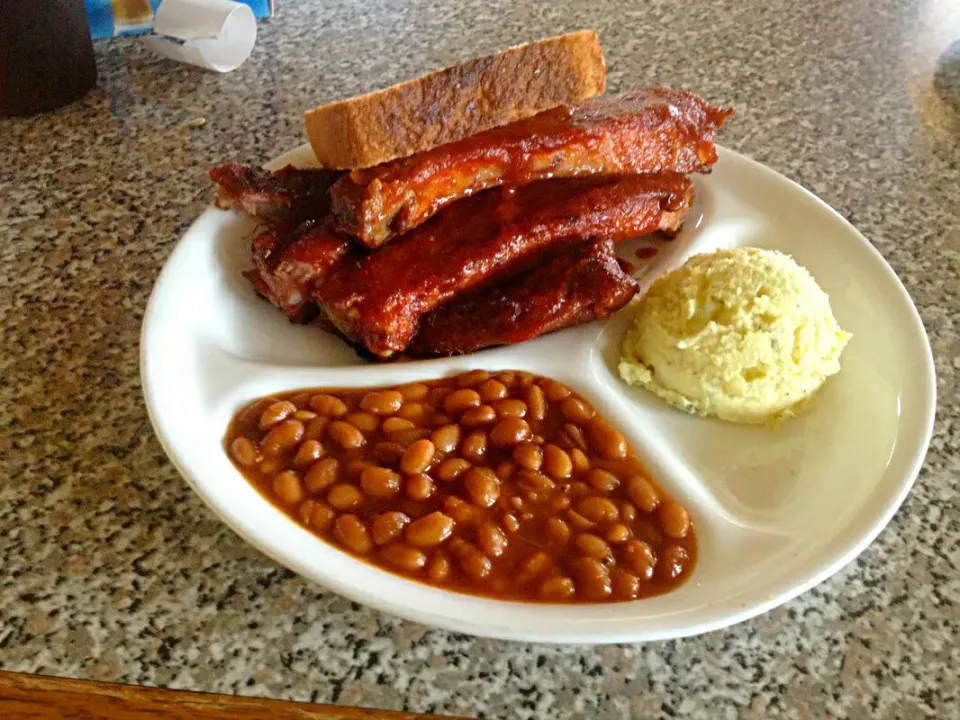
(777, 511)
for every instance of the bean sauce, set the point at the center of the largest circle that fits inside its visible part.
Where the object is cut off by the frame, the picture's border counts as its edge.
(503, 485)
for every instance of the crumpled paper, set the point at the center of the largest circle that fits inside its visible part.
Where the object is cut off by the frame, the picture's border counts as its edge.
(213, 34)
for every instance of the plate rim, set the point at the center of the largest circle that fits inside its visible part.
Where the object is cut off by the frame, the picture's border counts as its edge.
(822, 570)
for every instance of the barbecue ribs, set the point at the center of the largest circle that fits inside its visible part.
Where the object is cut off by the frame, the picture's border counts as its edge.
(378, 300)
(300, 246)
(286, 197)
(649, 130)
(289, 264)
(579, 283)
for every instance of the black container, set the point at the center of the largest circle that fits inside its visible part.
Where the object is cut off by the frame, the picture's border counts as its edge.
(46, 55)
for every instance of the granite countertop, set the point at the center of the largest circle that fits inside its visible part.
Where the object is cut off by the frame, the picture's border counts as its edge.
(110, 567)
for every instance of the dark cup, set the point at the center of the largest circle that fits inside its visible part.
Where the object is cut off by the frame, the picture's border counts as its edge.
(46, 55)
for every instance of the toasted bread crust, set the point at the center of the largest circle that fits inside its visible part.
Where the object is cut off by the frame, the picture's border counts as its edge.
(451, 104)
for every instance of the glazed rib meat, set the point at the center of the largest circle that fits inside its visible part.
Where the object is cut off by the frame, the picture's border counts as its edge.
(378, 300)
(286, 197)
(289, 265)
(649, 130)
(579, 283)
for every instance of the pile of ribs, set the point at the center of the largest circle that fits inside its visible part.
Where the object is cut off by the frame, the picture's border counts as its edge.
(492, 240)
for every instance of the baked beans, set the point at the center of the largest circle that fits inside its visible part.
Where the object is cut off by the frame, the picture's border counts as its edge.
(559, 502)
(316, 428)
(320, 515)
(466, 514)
(510, 431)
(322, 474)
(353, 469)
(556, 462)
(309, 452)
(344, 496)
(554, 391)
(461, 400)
(643, 493)
(397, 424)
(452, 468)
(491, 539)
(387, 526)
(581, 463)
(430, 530)
(536, 403)
(673, 562)
(602, 480)
(576, 410)
(474, 446)
(593, 577)
(558, 531)
(492, 390)
(420, 487)
(277, 412)
(570, 437)
(472, 378)
(640, 558)
(438, 571)
(536, 565)
(482, 415)
(579, 521)
(404, 557)
(557, 588)
(350, 530)
(415, 412)
(244, 452)
(446, 438)
(618, 533)
(626, 585)
(527, 455)
(282, 438)
(601, 510)
(510, 407)
(364, 422)
(506, 485)
(482, 485)
(408, 435)
(388, 453)
(608, 441)
(328, 405)
(287, 487)
(414, 391)
(474, 563)
(592, 546)
(379, 482)
(674, 520)
(417, 457)
(383, 402)
(345, 435)
(510, 523)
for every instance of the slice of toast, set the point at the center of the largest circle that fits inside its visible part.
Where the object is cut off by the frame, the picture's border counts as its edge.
(455, 103)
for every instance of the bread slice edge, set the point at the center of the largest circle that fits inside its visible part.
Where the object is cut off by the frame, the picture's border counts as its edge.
(456, 102)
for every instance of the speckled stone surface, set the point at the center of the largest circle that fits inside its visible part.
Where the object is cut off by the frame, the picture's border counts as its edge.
(111, 569)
